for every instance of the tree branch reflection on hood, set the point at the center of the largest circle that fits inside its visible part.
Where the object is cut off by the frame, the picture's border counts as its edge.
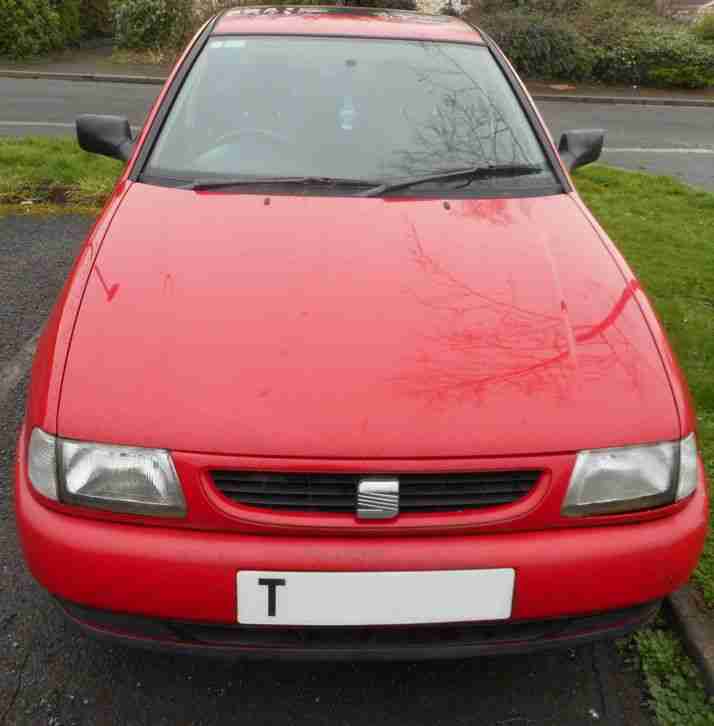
(490, 341)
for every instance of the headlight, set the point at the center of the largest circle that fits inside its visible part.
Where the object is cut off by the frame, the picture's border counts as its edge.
(610, 481)
(117, 478)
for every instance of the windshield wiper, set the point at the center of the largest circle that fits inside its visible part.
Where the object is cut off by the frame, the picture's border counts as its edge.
(471, 173)
(323, 181)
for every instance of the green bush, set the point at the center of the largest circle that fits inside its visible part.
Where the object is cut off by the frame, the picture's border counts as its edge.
(613, 41)
(555, 7)
(96, 18)
(169, 24)
(655, 55)
(704, 28)
(150, 24)
(681, 77)
(609, 22)
(539, 46)
(28, 27)
(69, 15)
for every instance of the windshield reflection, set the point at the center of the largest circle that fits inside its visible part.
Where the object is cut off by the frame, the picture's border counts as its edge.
(466, 126)
(342, 108)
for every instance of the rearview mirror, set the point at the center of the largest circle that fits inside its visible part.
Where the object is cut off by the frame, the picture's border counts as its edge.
(106, 135)
(580, 147)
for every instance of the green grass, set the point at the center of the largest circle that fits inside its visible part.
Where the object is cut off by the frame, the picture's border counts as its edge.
(666, 231)
(148, 57)
(676, 694)
(42, 170)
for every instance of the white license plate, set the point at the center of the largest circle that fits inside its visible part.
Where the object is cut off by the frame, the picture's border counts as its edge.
(374, 598)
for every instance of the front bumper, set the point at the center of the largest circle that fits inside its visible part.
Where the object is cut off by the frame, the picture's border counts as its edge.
(393, 643)
(190, 575)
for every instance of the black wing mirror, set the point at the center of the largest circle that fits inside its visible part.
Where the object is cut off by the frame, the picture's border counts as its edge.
(106, 135)
(581, 147)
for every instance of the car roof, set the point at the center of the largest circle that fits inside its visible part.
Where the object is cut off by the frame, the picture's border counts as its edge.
(344, 21)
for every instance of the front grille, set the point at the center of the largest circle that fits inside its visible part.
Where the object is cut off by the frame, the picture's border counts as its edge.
(423, 493)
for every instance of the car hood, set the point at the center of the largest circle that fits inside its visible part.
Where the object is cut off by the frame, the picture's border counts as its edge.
(350, 327)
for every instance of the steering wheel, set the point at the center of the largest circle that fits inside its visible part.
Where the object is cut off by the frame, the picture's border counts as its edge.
(262, 133)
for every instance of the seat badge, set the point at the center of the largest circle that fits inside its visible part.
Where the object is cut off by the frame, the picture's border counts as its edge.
(378, 498)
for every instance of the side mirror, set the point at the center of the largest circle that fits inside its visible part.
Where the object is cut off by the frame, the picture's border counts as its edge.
(581, 147)
(106, 135)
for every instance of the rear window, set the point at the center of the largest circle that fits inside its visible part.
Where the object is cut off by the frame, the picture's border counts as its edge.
(352, 108)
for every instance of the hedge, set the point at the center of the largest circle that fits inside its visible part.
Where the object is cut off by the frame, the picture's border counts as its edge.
(34, 27)
(168, 24)
(28, 27)
(96, 18)
(704, 28)
(599, 40)
(144, 24)
(541, 46)
(69, 14)
(651, 57)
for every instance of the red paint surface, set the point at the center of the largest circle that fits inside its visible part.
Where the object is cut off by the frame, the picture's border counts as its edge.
(326, 22)
(191, 575)
(344, 327)
(363, 335)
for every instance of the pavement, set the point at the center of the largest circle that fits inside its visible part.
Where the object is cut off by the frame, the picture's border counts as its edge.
(52, 676)
(630, 94)
(85, 61)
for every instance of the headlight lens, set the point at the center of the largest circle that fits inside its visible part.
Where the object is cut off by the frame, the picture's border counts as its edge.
(688, 467)
(42, 463)
(611, 481)
(117, 478)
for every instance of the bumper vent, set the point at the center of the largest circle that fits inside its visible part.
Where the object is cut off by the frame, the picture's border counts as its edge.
(335, 493)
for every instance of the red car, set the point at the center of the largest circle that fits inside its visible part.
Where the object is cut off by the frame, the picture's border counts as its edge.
(346, 368)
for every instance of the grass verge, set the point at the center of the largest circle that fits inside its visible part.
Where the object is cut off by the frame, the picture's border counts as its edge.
(151, 57)
(666, 231)
(53, 170)
(677, 696)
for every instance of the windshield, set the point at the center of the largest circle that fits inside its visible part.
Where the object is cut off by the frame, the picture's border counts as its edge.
(347, 108)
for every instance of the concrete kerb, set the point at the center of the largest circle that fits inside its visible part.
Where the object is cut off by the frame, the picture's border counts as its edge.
(696, 628)
(627, 100)
(83, 77)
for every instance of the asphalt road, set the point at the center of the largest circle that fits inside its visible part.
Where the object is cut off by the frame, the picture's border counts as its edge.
(50, 675)
(663, 140)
